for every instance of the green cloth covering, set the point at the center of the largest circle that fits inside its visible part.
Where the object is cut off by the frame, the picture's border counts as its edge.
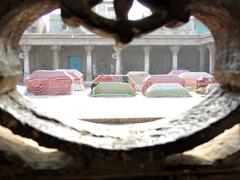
(113, 89)
(166, 90)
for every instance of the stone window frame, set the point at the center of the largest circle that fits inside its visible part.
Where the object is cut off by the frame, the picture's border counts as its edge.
(85, 144)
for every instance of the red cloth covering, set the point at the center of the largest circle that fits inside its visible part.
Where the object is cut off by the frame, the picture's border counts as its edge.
(204, 81)
(153, 79)
(47, 82)
(177, 72)
(115, 78)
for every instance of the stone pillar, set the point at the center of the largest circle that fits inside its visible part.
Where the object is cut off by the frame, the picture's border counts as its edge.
(147, 50)
(202, 50)
(26, 66)
(175, 50)
(212, 52)
(118, 59)
(94, 70)
(56, 49)
(89, 50)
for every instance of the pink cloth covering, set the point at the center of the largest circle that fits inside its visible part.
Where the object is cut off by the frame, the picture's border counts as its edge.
(47, 82)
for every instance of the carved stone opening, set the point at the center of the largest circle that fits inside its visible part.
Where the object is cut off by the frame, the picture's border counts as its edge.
(98, 149)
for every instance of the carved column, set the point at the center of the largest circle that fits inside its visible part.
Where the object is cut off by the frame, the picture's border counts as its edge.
(175, 50)
(212, 52)
(26, 66)
(147, 50)
(56, 49)
(118, 59)
(89, 50)
(202, 50)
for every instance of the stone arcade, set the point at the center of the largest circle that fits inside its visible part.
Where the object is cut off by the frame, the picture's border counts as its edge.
(186, 47)
(156, 54)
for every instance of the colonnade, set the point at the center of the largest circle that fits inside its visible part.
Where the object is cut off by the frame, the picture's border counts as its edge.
(147, 50)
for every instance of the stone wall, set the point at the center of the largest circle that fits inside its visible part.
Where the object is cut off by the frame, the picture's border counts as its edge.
(189, 58)
(132, 59)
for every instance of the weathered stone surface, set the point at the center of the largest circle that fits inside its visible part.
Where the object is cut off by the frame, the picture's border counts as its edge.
(160, 138)
(14, 19)
(222, 146)
(222, 18)
(35, 156)
(10, 69)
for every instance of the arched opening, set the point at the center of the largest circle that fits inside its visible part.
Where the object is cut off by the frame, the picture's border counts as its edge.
(54, 49)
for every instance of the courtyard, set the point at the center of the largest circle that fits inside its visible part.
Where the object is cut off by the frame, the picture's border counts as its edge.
(80, 105)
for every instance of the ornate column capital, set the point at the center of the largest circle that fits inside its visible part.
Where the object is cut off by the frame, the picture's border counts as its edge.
(89, 48)
(117, 49)
(175, 49)
(26, 48)
(147, 49)
(211, 47)
(56, 48)
(202, 48)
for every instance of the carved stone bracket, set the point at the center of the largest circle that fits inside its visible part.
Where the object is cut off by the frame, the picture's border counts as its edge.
(26, 48)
